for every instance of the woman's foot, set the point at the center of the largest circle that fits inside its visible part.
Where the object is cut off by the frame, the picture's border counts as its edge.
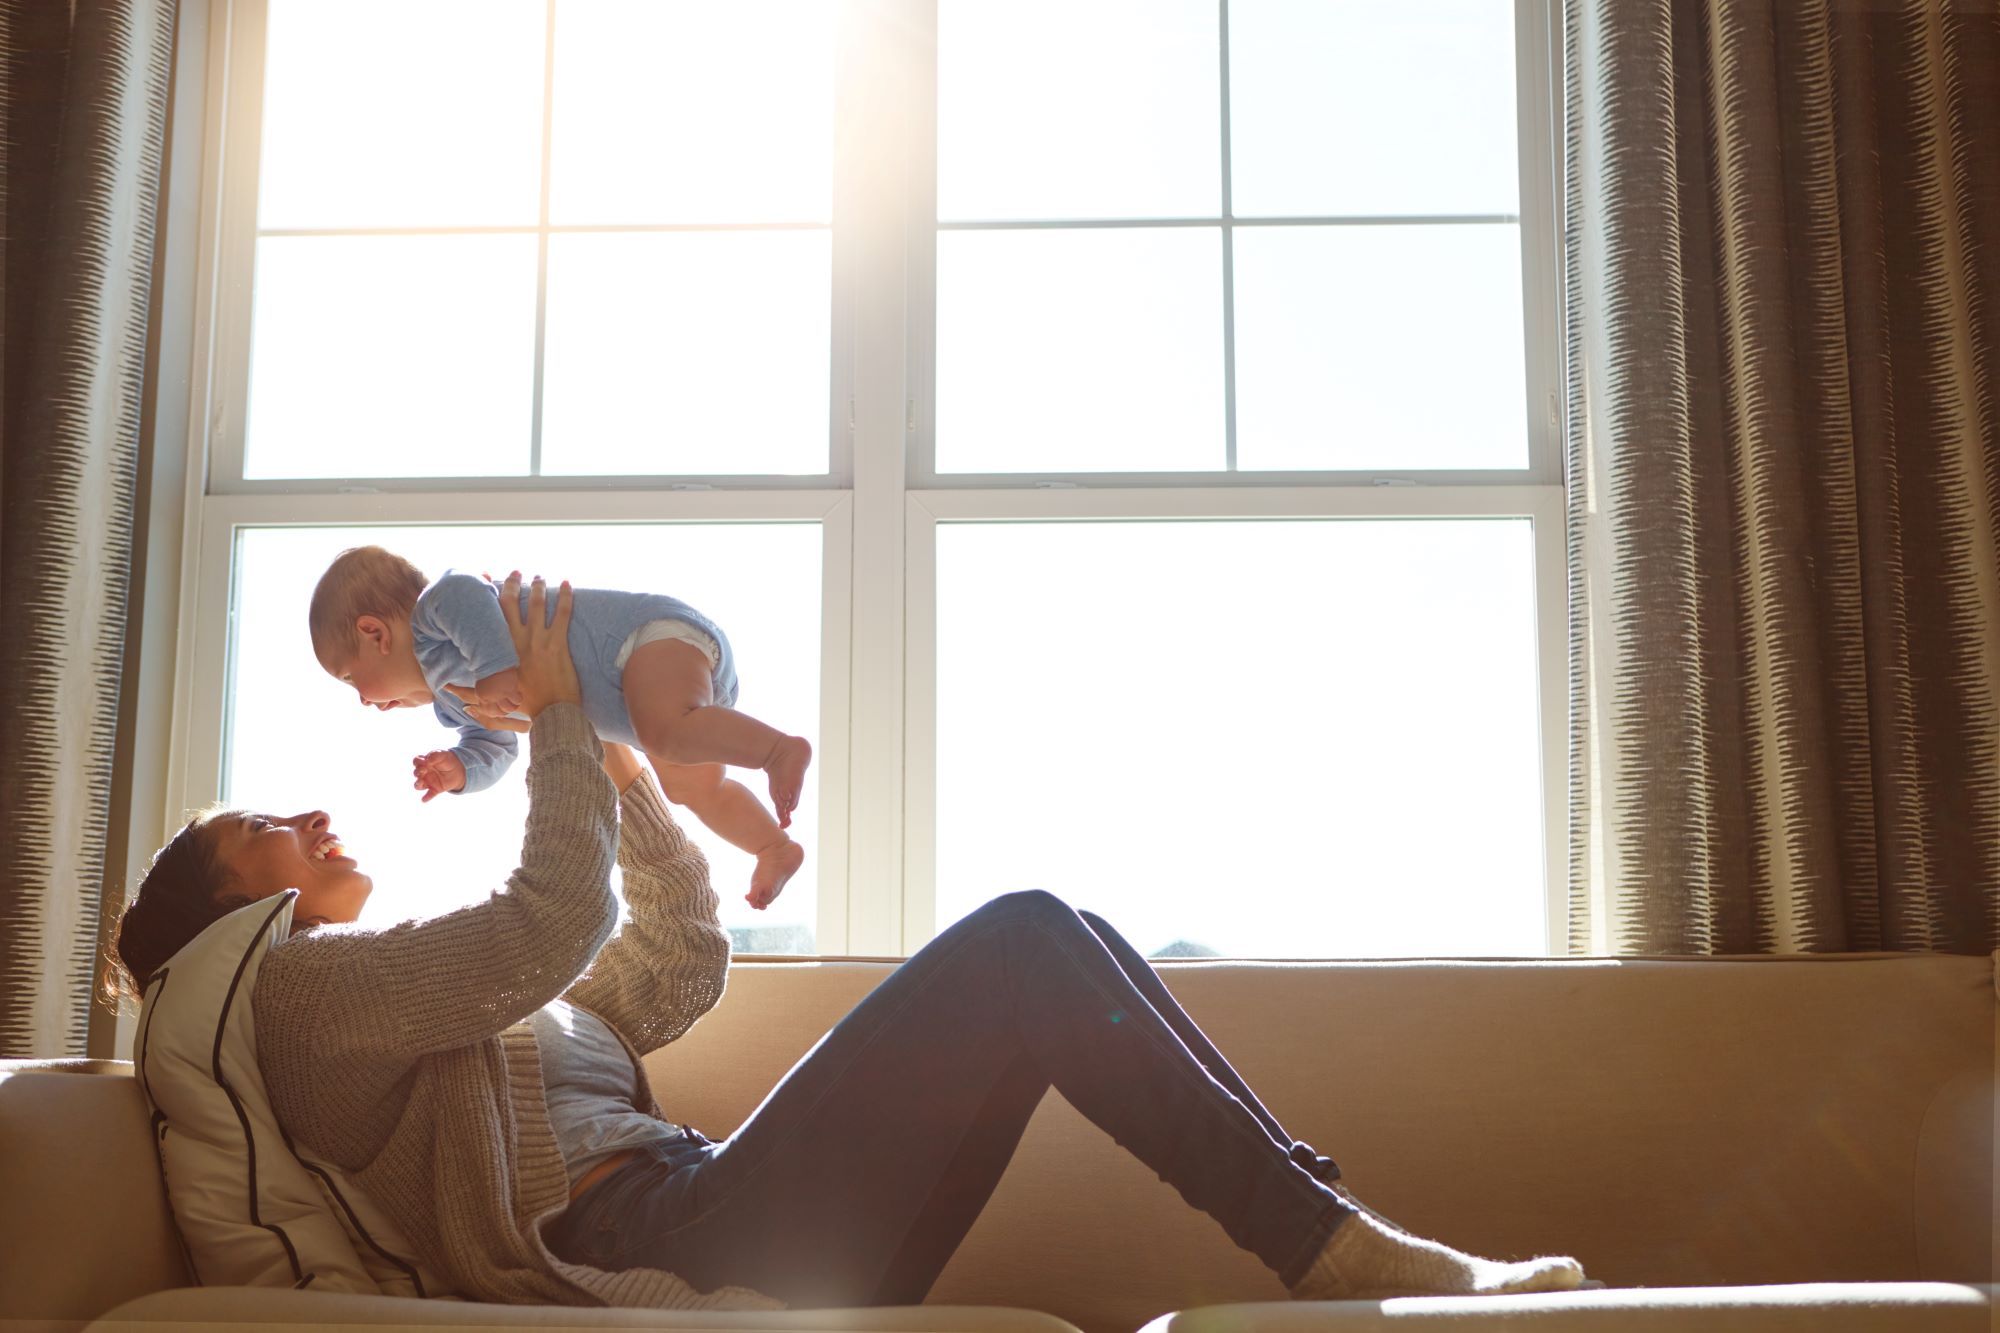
(776, 864)
(1367, 1261)
(1340, 1187)
(786, 769)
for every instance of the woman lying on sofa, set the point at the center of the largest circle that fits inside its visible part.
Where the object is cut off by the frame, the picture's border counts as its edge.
(853, 1182)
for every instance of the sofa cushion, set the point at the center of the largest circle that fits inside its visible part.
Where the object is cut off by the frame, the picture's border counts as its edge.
(223, 1306)
(249, 1211)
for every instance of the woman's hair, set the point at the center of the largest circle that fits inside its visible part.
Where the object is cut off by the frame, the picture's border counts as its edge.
(361, 581)
(180, 896)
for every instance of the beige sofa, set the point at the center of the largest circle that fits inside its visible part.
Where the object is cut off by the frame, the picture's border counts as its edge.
(1801, 1143)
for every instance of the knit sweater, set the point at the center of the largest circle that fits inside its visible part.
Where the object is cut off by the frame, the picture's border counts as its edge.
(402, 1054)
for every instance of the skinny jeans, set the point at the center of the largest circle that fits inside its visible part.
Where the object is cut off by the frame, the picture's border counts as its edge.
(858, 1176)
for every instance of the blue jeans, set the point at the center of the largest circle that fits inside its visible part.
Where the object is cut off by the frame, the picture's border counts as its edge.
(864, 1168)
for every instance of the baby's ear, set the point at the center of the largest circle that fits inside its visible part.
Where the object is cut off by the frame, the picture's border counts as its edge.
(374, 631)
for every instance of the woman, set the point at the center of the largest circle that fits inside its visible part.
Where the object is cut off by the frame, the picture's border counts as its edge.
(478, 1073)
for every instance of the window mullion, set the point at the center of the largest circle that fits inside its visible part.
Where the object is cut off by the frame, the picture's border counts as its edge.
(877, 105)
(1228, 263)
(542, 242)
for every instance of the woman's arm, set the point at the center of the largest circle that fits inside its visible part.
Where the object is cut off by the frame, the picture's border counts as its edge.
(622, 765)
(424, 986)
(667, 966)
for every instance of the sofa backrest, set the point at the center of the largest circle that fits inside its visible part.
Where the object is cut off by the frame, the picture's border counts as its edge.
(84, 1223)
(1670, 1122)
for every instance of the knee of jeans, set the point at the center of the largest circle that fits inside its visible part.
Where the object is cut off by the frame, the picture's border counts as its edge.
(1036, 904)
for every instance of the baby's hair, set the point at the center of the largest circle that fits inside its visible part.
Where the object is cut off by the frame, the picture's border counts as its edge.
(361, 581)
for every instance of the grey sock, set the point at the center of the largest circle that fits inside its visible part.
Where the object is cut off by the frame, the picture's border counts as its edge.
(1366, 1260)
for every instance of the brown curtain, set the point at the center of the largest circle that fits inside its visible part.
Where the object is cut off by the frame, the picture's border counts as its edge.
(84, 101)
(1783, 456)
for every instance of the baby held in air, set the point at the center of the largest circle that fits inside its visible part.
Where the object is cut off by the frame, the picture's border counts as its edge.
(655, 673)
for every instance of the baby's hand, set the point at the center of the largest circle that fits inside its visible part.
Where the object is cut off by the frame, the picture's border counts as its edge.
(500, 693)
(438, 772)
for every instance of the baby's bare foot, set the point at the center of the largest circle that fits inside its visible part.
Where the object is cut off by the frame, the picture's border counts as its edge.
(787, 770)
(776, 865)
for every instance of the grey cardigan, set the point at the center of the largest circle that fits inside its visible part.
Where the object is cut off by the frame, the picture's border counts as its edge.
(401, 1054)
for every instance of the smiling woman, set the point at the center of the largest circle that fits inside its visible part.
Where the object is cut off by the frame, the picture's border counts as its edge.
(219, 861)
(300, 851)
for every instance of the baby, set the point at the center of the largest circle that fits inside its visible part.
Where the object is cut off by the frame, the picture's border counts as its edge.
(655, 673)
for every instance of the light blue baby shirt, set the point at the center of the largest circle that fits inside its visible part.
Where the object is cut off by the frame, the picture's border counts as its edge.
(461, 638)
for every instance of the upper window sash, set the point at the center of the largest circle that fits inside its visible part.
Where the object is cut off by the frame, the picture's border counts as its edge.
(233, 188)
(1536, 47)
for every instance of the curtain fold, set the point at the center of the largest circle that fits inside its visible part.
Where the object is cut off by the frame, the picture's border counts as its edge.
(85, 102)
(1782, 233)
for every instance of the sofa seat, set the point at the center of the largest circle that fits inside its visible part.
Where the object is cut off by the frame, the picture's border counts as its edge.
(1806, 1307)
(195, 1308)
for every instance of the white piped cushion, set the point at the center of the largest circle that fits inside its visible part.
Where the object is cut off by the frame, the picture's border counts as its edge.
(250, 1210)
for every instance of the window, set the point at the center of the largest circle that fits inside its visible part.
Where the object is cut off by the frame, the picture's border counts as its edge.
(1210, 755)
(1119, 432)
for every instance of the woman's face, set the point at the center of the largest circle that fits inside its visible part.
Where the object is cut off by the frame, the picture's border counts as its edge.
(264, 854)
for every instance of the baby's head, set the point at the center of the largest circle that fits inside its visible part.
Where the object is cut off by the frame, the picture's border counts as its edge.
(361, 626)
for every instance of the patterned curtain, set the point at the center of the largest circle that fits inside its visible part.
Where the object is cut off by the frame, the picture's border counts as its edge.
(1783, 236)
(85, 100)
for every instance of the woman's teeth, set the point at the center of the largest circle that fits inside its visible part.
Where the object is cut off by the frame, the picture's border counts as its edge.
(329, 849)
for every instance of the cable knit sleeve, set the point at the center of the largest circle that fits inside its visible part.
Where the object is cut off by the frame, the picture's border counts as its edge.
(344, 1011)
(667, 966)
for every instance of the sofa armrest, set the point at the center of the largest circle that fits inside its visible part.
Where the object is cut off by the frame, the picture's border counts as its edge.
(84, 1222)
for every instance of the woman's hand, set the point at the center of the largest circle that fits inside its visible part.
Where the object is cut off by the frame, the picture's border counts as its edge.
(479, 713)
(548, 675)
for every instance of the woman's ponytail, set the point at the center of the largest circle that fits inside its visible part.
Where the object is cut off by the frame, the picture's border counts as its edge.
(179, 897)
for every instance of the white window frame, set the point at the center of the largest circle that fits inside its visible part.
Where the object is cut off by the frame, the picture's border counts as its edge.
(878, 505)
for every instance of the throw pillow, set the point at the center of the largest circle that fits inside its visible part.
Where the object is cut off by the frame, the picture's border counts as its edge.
(251, 1210)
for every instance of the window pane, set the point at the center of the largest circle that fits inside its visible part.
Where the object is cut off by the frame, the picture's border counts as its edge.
(1079, 109)
(688, 352)
(677, 111)
(387, 113)
(391, 356)
(1079, 351)
(1379, 347)
(1371, 107)
(1344, 762)
(298, 740)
